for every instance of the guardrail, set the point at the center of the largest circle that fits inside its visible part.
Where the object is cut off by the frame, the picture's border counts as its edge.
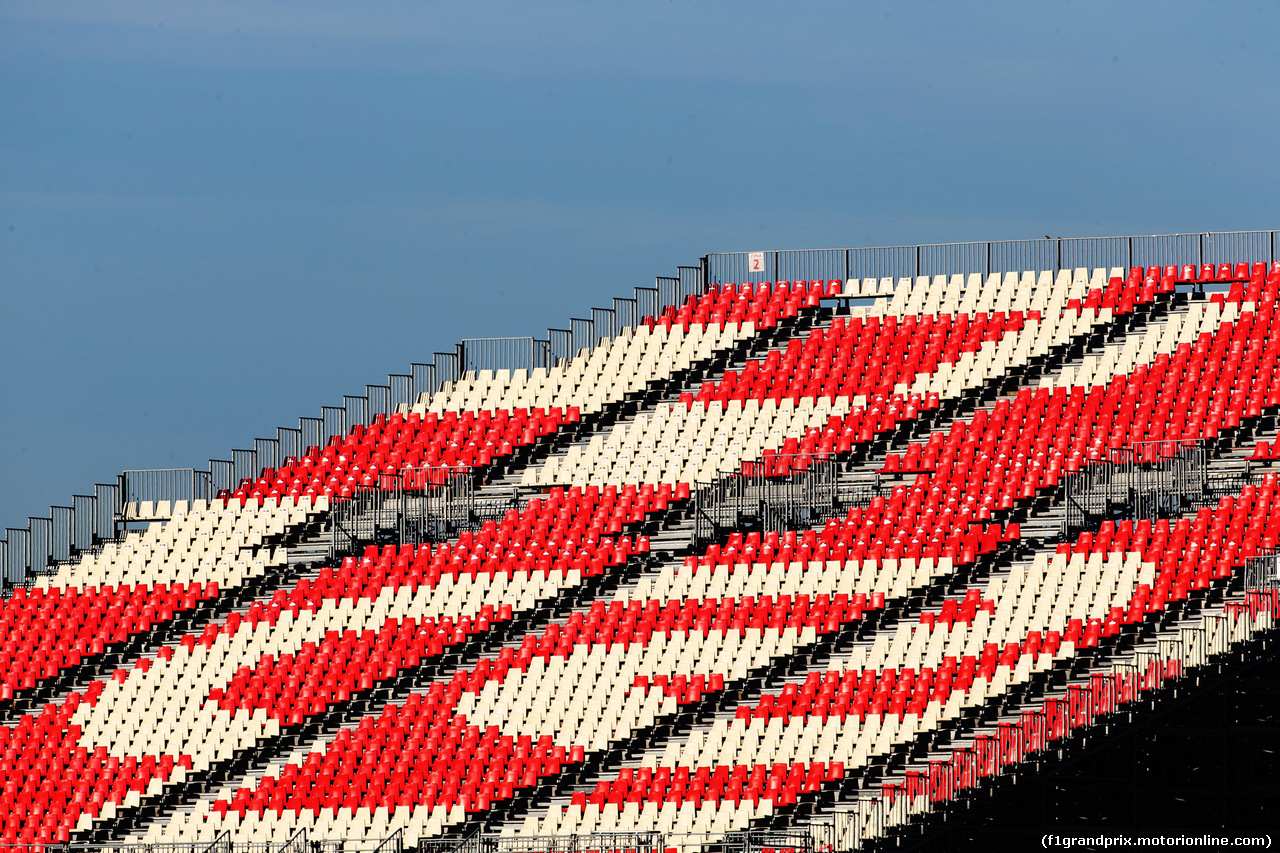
(774, 494)
(1050, 253)
(1146, 480)
(411, 506)
(165, 484)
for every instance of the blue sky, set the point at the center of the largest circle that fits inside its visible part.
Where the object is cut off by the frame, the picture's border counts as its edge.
(216, 217)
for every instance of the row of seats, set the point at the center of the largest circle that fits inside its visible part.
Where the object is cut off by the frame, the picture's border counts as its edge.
(630, 680)
(859, 358)
(871, 373)
(485, 415)
(971, 294)
(337, 647)
(1197, 576)
(133, 585)
(1034, 729)
(151, 575)
(761, 304)
(370, 457)
(1035, 439)
(932, 663)
(656, 348)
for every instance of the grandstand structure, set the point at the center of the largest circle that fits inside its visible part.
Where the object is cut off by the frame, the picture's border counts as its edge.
(801, 558)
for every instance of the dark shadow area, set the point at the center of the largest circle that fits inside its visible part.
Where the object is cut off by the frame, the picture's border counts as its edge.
(1204, 762)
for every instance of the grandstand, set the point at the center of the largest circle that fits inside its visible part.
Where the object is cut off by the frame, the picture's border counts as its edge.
(803, 559)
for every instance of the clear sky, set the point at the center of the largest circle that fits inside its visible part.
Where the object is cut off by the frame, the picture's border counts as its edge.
(216, 217)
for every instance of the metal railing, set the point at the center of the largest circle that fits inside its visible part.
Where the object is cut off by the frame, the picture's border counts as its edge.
(1144, 481)
(1262, 572)
(476, 354)
(815, 839)
(413, 506)
(165, 484)
(996, 256)
(775, 494)
(29, 551)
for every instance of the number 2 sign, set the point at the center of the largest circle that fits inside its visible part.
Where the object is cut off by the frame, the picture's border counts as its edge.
(755, 261)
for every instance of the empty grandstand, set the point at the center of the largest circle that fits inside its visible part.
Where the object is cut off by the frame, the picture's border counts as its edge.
(810, 558)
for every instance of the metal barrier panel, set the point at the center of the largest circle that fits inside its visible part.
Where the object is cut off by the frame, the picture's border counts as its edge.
(773, 495)
(400, 391)
(1022, 256)
(729, 268)
(413, 506)
(40, 545)
(1164, 250)
(63, 518)
(952, 258)
(290, 443)
(15, 552)
(583, 333)
(244, 465)
(1094, 252)
(447, 368)
(379, 397)
(597, 842)
(1262, 572)
(335, 423)
(423, 381)
(1227, 247)
(266, 453)
(603, 324)
(312, 430)
(647, 304)
(626, 312)
(692, 281)
(84, 507)
(885, 262)
(559, 346)
(221, 475)
(668, 288)
(812, 264)
(495, 354)
(433, 504)
(1145, 480)
(357, 409)
(107, 508)
(165, 484)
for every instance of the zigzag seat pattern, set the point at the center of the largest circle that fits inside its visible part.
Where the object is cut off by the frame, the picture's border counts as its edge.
(133, 586)
(496, 680)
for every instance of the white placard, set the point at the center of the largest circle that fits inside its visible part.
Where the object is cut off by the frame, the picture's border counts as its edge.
(755, 262)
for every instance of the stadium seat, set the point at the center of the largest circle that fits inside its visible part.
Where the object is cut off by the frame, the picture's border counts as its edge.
(429, 687)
